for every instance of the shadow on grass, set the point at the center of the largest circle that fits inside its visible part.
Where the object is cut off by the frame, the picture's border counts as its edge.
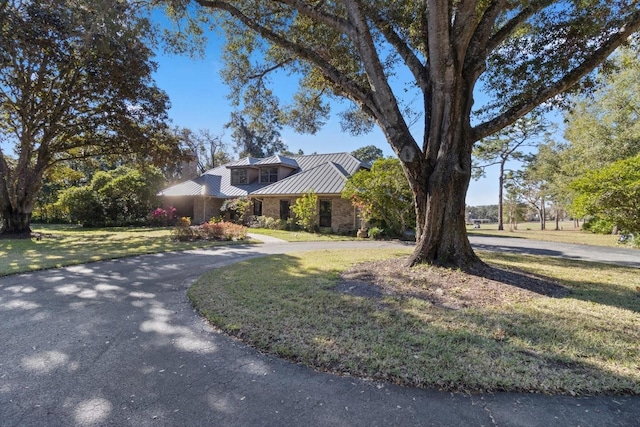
(534, 283)
(23, 255)
(579, 282)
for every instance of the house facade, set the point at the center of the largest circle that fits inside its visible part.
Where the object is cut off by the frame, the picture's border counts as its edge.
(272, 184)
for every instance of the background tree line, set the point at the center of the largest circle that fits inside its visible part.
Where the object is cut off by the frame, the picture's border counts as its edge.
(592, 173)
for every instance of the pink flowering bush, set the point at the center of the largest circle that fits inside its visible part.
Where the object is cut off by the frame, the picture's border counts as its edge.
(163, 217)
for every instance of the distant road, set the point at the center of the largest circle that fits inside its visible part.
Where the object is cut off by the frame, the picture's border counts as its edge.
(619, 256)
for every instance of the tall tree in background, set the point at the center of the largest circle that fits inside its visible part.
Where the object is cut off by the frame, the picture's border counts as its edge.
(549, 167)
(506, 146)
(75, 82)
(209, 149)
(523, 53)
(368, 153)
(604, 127)
(531, 184)
(257, 138)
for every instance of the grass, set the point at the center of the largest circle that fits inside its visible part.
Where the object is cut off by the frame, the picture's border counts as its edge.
(300, 236)
(582, 344)
(567, 234)
(531, 230)
(69, 245)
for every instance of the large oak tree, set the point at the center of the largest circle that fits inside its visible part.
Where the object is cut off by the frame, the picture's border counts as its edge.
(75, 81)
(523, 53)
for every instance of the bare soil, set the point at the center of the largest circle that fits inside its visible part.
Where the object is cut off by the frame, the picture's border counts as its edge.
(453, 289)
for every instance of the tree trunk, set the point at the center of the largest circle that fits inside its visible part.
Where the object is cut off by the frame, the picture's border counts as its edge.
(542, 212)
(443, 240)
(441, 232)
(15, 222)
(440, 180)
(500, 187)
(18, 190)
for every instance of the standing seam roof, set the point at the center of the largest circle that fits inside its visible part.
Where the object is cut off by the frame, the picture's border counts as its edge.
(324, 173)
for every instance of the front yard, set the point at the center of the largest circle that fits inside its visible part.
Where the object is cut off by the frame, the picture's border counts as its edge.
(571, 328)
(69, 245)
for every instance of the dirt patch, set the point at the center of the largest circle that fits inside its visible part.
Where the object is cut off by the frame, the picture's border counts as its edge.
(448, 288)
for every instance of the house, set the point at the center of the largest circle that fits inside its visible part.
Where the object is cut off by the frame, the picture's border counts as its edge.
(272, 184)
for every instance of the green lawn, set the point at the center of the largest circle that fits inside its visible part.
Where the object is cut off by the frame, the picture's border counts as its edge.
(583, 343)
(69, 245)
(530, 230)
(567, 233)
(300, 236)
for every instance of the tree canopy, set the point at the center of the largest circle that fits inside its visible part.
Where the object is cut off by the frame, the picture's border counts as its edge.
(611, 193)
(255, 138)
(75, 82)
(604, 127)
(368, 153)
(410, 62)
(382, 194)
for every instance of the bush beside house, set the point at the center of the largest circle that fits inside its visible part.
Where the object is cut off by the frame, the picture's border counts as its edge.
(212, 230)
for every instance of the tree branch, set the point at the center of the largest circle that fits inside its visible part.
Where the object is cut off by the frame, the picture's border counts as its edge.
(418, 69)
(385, 107)
(266, 71)
(350, 88)
(571, 78)
(315, 13)
(492, 42)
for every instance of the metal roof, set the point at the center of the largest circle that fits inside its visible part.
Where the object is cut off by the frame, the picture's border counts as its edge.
(324, 173)
(246, 161)
(344, 160)
(278, 160)
(326, 178)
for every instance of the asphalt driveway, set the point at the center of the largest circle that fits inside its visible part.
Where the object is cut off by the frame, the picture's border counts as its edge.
(117, 343)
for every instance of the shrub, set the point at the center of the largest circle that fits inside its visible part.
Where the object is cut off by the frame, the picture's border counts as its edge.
(236, 208)
(268, 222)
(182, 230)
(82, 205)
(376, 233)
(306, 210)
(598, 226)
(292, 224)
(221, 231)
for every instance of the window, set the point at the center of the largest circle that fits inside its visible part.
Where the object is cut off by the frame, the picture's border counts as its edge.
(238, 176)
(285, 212)
(269, 175)
(325, 213)
(257, 207)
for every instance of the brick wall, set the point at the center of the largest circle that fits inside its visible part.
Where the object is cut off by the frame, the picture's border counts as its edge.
(204, 213)
(342, 214)
(342, 211)
(271, 206)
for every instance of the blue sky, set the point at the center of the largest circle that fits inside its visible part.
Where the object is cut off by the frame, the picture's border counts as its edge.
(198, 98)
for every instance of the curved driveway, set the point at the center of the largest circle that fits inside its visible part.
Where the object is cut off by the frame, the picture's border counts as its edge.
(117, 343)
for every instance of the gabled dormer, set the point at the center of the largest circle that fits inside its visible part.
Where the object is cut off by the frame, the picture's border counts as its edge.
(274, 168)
(264, 171)
(243, 171)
